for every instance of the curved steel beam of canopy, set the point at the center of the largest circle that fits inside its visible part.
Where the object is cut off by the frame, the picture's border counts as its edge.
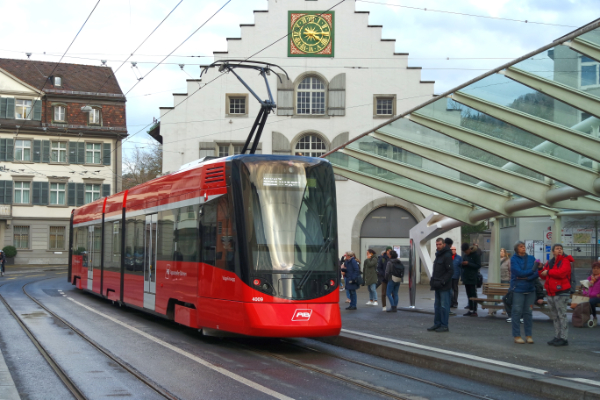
(584, 47)
(453, 209)
(578, 142)
(574, 175)
(573, 97)
(526, 187)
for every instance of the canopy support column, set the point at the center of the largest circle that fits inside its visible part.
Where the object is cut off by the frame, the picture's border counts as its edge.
(494, 265)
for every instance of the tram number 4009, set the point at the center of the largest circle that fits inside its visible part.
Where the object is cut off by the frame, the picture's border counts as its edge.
(257, 299)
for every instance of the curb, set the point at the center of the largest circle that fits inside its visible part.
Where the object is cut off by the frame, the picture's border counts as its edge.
(517, 380)
(8, 390)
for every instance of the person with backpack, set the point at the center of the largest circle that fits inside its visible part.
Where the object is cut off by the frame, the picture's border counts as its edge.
(370, 273)
(394, 272)
(441, 283)
(557, 276)
(352, 278)
(382, 261)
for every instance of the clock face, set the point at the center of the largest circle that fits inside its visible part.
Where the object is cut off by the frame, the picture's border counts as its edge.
(311, 34)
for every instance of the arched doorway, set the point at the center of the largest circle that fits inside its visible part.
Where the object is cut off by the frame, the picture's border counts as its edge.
(387, 226)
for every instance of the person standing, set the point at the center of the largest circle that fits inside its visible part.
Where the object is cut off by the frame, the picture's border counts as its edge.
(352, 273)
(471, 265)
(593, 292)
(522, 280)
(2, 262)
(504, 266)
(557, 276)
(441, 283)
(456, 264)
(382, 261)
(394, 271)
(370, 274)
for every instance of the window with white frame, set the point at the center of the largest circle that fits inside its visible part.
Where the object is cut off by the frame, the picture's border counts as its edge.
(57, 238)
(22, 150)
(310, 97)
(385, 106)
(58, 194)
(57, 81)
(60, 113)
(93, 152)
(237, 105)
(94, 117)
(507, 222)
(23, 109)
(92, 192)
(310, 146)
(237, 150)
(21, 237)
(589, 71)
(58, 152)
(223, 151)
(22, 193)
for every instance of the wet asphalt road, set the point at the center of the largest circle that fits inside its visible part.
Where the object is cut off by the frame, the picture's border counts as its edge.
(183, 362)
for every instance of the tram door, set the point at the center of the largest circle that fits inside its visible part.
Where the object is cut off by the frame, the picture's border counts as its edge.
(90, 257)
(150, 250)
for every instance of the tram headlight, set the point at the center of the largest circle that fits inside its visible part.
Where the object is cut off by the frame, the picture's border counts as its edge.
(256, 282)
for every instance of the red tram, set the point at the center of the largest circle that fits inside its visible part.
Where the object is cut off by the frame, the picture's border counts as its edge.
(244, 244)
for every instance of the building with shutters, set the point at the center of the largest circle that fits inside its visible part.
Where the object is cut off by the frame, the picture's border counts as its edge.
(61, 128)
(348, 82)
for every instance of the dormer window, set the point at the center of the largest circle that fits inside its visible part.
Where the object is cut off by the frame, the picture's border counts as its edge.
(94, 118)
(57, 81)
(59, 113)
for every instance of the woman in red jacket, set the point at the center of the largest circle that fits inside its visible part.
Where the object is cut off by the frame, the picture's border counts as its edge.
(557, 274)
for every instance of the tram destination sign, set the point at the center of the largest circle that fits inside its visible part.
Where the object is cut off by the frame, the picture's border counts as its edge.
(282, 180)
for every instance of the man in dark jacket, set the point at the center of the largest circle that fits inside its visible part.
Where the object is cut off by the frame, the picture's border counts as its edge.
(470, 265)
(441, 282)
(382, 261)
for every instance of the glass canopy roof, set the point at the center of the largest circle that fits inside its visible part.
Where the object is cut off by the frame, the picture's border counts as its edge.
(521, 140)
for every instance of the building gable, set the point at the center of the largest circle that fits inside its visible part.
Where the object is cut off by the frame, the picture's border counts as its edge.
(10, 85)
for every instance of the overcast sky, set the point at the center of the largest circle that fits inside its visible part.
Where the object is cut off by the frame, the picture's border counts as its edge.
(45, 28)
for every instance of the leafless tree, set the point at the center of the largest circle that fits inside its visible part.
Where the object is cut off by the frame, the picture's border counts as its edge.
(142, 165)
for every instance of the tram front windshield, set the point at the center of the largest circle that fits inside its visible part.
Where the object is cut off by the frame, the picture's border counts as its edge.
(290, 215)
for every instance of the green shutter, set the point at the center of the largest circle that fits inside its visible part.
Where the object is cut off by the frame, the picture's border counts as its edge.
(106, 153)
(46, 151)
(72, 153)
(80, 194)
(8, 192)
(105, 190)
(45, 193)
(37, 110)
(80, 153)
(37, 151)
(3, 102)
(37, 193)
(71, 194)
(10, 108)
(2, 192)
(3, 149)
(10, 150)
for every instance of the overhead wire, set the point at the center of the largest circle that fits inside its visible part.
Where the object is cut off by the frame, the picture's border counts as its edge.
(465, 14)
(181, 44)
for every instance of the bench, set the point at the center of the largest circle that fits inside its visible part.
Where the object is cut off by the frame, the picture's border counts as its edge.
(493, 301)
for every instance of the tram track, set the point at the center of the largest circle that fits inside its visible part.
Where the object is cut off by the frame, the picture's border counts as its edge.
(65, 379)
(372, 388)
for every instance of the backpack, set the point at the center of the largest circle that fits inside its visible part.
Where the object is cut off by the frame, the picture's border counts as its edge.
(398, 270)
(581, 315)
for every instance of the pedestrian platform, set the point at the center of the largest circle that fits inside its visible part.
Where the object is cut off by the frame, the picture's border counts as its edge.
(8, 390)
(486, 337)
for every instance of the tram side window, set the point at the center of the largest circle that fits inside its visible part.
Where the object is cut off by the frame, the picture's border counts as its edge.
(134, 245)
(217, 241)
(112, 246)
(166, 236)
(80, 244)
(186, 234)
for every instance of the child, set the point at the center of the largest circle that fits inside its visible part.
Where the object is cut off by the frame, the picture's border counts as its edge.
(594, 290)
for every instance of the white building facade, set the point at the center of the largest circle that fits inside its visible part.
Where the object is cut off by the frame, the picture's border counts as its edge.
(342, 83)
